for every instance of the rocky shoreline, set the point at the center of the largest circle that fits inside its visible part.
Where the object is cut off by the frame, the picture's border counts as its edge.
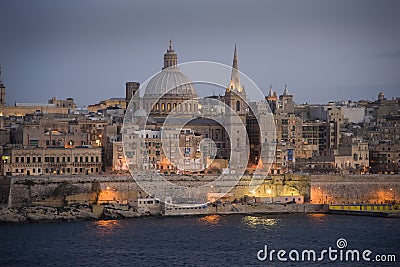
(76, 212)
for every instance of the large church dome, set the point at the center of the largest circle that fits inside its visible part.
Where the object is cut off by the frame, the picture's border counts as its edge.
(170, 89)
(170, 81)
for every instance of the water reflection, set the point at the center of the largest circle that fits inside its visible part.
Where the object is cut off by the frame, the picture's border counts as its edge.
(106, 226)
(317, 215)
(210, 219)
(254, 221)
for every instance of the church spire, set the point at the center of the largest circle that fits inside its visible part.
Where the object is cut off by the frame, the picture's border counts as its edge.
(235, 60)
(271, 93)
(235, 76)
(286, 92)
(170, 58)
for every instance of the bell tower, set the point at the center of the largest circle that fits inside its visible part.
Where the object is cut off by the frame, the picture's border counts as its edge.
(235, 116)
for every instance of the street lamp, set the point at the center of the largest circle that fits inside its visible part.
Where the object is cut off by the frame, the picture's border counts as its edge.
(394, 195)
(269, 191)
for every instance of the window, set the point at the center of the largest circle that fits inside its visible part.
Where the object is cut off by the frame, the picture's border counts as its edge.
(16, 159)
(76, 159)
(34, 143)
(238, 105)
(28, 159)
(39, 159)
(163, 107)
(22, 159)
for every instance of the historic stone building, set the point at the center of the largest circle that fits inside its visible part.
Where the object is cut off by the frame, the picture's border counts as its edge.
(56, 160)
(53, 130)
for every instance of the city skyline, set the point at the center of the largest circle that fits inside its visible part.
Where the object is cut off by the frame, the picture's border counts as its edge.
(322, 51)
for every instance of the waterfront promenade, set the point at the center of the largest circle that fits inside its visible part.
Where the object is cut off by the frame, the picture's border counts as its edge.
(384, 210)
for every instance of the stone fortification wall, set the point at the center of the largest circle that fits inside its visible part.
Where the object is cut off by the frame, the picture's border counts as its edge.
(57, 190)
(54, 190)
(4, 189)
(338, 189)
(24, 191)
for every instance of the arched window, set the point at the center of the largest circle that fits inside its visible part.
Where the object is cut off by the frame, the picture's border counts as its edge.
(174, 105)
(190, 107)
(163, 107)
(169, 106)
(157, 106)
(185, 107)
(238, 105)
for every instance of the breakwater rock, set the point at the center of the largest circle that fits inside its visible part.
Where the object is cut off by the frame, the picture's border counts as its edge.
(74, 212)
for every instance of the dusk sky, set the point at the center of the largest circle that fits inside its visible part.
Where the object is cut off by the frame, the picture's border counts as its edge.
(323, 50)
